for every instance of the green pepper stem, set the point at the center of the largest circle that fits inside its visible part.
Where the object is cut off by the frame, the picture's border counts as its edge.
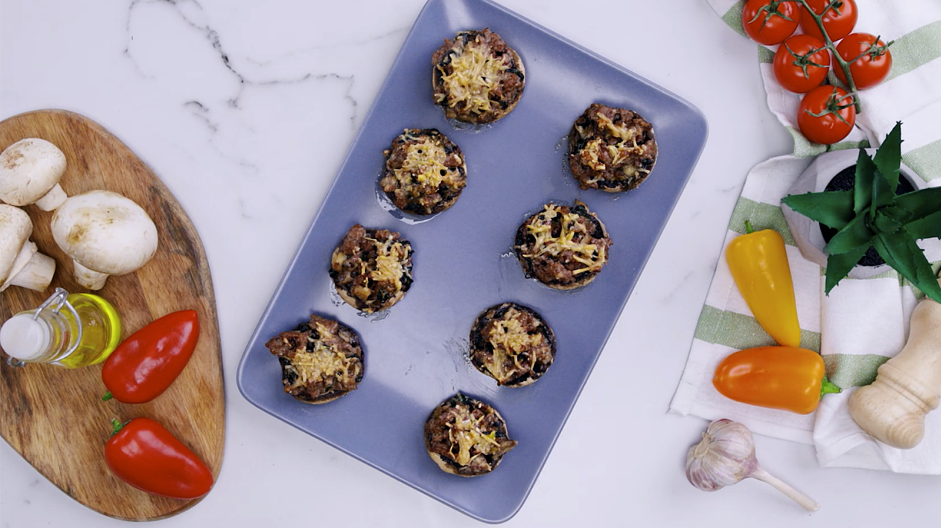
(826, 387)
(107, 396)
(116, 425)
(748, 227)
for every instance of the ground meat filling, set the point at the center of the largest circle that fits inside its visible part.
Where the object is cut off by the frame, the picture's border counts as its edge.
(512, 344)
(424, 172)
(466, 437)
(371, 268)
(321, 360)
(611, 149)
(562, 247)
(477, 77)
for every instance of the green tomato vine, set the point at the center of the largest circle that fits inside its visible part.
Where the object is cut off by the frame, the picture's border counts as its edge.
(874, 49)
(844, 65)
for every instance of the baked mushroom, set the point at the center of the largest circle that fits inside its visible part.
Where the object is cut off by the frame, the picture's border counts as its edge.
(466, 437)
(371, 268)
(477, 77)
(321, 360)
(30, 170)
(424, 172)
(105, 234)
(563, 247)
(512, 344)
(611, 149)
(21, 263)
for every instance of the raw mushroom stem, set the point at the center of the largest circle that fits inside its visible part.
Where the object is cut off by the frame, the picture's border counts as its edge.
(52, 199)
(89, 278)
(30, 269)
(806, 502)
(21, 264)
(36, 274)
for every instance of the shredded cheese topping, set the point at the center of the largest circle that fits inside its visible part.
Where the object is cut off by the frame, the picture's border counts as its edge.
(321, 363)
(575, 236)
(474, 72)
(465, 432)
(509, 339)
(618, 131)
(424, 163)
(618, 152)
(390, 262)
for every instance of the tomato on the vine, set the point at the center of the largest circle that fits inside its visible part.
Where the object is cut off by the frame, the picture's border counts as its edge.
(870, 59)
(801, 63)
(826, 114)
(839, 18)
(769, 22)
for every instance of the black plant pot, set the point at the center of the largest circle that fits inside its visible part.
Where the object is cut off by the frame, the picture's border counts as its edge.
(845, 180)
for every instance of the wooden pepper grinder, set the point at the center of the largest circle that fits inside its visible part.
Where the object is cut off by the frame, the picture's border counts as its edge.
(893, 408)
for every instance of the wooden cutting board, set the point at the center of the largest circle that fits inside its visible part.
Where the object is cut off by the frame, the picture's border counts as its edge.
(54, 416)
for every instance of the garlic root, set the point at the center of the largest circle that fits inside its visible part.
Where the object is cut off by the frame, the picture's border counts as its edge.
(806, 502)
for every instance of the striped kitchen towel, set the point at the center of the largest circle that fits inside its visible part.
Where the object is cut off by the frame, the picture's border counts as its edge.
(726, 324)
(862, 323)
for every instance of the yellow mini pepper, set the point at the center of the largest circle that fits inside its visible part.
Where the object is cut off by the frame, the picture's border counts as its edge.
(758, 262)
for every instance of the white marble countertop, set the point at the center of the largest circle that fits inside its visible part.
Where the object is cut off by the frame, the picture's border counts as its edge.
(246, 110)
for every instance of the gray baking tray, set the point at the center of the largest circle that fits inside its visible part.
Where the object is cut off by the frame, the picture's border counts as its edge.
(416, 352)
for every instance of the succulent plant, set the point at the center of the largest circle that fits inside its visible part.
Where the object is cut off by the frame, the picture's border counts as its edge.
(873, 215)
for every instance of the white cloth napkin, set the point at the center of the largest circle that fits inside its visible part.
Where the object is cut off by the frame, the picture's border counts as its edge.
(861, 323)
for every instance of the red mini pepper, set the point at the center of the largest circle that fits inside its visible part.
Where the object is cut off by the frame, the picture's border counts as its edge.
(147, 456)
(145, 364)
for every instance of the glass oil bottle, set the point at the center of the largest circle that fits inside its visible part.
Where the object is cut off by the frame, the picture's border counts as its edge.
(71, 331)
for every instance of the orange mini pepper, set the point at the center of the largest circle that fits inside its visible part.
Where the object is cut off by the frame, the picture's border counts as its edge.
(787, 378)
(758, 262)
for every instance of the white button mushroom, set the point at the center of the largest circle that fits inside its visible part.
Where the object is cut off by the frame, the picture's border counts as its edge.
(21, 264)
(106, 234)
(30, 170)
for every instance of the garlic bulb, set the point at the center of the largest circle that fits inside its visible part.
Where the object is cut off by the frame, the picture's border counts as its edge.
(726, 455)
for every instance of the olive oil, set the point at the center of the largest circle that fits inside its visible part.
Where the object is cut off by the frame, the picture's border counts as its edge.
(72, 331)
(101, 330)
